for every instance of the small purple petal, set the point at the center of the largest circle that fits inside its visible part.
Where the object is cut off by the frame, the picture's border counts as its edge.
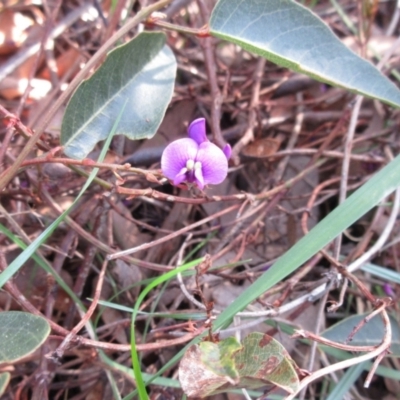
(388, 290)
(214, 163)
(180, 177)
(227, 151)
(197, 131)
(176, 155)
(198, 174)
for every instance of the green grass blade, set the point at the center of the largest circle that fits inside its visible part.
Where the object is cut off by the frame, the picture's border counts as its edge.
(347, 381)
(141, 388)
(47, 267)
(360, 202)
(384, 273)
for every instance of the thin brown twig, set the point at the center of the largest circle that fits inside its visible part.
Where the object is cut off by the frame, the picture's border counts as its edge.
(382, 348)
(248, 136)
(171, 235)
(210, 64)
(58, 353)
(301, 333)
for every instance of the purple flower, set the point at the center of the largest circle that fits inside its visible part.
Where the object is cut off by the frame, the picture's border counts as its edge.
(195, 159)
(388, 289)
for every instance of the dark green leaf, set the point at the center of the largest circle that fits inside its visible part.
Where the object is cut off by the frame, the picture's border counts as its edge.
(371, 334)
(290, 35)
(20, 335)
(142, 72)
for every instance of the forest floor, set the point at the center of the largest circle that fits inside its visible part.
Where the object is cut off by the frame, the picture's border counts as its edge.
(280, 125)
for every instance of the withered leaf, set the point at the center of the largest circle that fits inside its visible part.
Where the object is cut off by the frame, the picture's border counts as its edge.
(260, 361)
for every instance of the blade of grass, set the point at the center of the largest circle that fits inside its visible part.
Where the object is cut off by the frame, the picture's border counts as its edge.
(47, 267)
(347, 381)
(360, 202)
(381, 272)
(134, 354)
(31, 249)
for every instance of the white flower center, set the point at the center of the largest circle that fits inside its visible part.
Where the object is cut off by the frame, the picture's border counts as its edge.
(190, 165)
(197, 165)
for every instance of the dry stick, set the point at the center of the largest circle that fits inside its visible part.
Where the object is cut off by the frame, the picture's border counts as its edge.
(312, 199)
(368, 318)
(85, 319)
(368, 235)
(382, 348)
(171, 235)
(318, 323)
(382, 238)
(248, 136)
(301, 333)
(98, 243)
(133, 22)
(14, 121)
(86, 264)
(280, 170)
(212, 77)
(296, 278)
(332, 135)
(185, 292)
(394, 20)
(346, 165)
(255, 97)
(329, 153)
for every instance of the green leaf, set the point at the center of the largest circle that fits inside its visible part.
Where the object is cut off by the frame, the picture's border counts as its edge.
(260, 361)
(291, 35)
(219, 357)
(4, 379)
(371, 334)
(20, 335)
(263, 358)
(141, 72)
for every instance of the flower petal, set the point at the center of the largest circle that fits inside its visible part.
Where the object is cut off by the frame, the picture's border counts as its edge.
(176, 155)
(180, 177)
(197, 131)
(198, 174)
(227, 151)
(214, 163)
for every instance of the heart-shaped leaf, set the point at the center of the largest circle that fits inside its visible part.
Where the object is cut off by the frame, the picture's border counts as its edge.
(20, 335)
(260, 361)
(288, 34)
(371, 333)
(142, 71)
